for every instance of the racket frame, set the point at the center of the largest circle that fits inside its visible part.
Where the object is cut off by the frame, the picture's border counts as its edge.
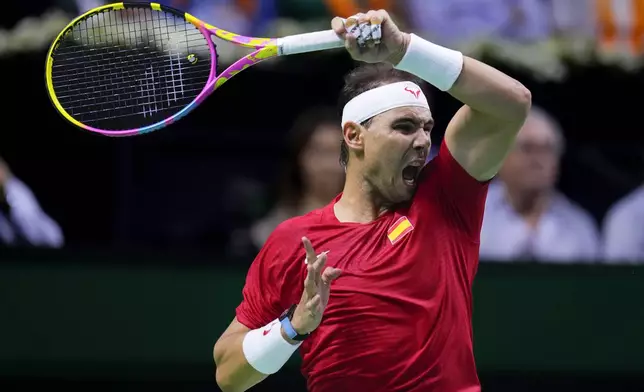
(265, 48)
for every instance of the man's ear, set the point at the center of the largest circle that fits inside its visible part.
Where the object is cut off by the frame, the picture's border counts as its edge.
(353, 134)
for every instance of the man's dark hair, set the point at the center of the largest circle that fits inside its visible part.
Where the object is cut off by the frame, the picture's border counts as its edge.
(365, 78)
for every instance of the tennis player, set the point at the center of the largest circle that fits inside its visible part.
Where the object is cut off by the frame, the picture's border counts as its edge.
(375, 288)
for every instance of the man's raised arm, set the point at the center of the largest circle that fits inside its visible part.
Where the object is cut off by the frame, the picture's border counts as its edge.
(496, 105)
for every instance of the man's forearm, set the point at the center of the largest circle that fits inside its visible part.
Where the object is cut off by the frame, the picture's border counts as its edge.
(234, 373)
(234, 353)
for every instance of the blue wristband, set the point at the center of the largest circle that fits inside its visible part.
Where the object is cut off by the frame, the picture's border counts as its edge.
(285, 322)
(288, 328)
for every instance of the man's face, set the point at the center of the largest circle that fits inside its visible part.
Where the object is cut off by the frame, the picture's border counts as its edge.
(395, 147)
(533, 164)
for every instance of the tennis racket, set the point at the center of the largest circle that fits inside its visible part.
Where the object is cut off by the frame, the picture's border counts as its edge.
(126, 69)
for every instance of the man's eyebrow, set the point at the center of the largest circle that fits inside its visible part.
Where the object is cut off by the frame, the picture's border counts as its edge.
(413, 120)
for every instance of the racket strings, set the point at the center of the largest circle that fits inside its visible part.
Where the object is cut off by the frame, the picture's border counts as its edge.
(78, 85)
(133, 66)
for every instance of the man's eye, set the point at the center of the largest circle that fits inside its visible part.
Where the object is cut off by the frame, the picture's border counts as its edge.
(406, 127)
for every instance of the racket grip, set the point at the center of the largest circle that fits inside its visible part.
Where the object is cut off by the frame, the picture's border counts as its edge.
(309, 42)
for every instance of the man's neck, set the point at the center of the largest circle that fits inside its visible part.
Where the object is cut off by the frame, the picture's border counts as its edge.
(358, 203)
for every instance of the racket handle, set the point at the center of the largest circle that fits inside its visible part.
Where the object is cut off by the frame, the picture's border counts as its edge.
(309, 42)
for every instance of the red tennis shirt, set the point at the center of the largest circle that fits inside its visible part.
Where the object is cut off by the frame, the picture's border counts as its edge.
(399, 316)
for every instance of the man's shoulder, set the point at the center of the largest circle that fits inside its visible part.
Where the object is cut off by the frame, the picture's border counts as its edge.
(283, 252)
(287, 236)
(298, 225)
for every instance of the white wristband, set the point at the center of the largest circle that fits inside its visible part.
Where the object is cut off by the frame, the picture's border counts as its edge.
(266, 350)
(435, 64)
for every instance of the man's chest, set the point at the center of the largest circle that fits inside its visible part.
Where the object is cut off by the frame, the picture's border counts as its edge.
(391, 259)
(397, 272)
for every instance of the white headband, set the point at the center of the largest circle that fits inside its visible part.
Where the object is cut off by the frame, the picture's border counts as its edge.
(383, 98)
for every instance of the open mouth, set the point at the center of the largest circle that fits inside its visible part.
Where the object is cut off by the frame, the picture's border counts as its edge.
(410, 174)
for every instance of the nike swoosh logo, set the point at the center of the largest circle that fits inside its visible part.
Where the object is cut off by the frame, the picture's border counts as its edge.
(266, 331)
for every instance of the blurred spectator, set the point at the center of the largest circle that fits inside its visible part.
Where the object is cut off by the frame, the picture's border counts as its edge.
(22, 221)
(86, 5)
(525, 217)
(624, 229)
(32, 25)
(575, 19)
(13, 12)
(453, 22)
(311, 175)
(248, 17)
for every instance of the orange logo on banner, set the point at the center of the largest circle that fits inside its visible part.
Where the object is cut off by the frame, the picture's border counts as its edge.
(347, 8)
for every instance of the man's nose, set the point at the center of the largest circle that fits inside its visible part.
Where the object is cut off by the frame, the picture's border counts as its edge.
(422, 140)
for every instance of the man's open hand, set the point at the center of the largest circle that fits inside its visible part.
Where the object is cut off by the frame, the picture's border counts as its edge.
(315, 297)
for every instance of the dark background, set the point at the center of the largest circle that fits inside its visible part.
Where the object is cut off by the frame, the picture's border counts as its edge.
(145, 284)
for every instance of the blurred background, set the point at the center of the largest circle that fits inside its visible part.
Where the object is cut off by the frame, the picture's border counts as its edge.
(122, 260)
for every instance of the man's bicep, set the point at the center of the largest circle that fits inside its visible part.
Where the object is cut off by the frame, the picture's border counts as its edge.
(480, 143)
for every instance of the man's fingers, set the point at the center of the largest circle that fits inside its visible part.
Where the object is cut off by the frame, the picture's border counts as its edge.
(351, 44)
(310, 286)
(337, 24)
(366, 30)
(365, 22)
(330, 274)
(354, 19)
(313, 273)
(310, 252)
(365, 18)
(318, 267)
(352, 25)
(320, 261)
(376, 28)
(376, 18)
